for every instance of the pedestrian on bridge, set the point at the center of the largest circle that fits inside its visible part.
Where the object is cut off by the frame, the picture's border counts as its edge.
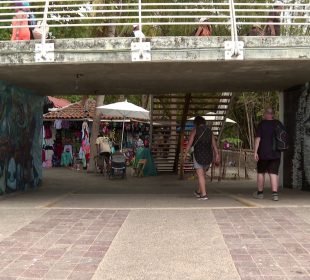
(203, 142)
(20, 30)
(273, 27)
(204, 29)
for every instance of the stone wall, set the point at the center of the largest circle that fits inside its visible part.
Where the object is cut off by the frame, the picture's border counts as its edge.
(297, 121)
(20, 138)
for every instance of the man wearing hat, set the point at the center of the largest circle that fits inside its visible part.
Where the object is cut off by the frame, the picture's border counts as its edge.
(204, 29)
(272, 28)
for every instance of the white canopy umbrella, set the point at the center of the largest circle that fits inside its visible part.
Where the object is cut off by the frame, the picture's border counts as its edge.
(212, 117)
(125, 110)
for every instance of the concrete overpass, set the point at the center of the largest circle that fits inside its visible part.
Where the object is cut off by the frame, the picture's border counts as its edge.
(178, 64)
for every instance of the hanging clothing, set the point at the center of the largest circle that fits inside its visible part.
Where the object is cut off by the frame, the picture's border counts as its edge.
(65, 124)
(58, 124)
(85, 130)
(48, 132)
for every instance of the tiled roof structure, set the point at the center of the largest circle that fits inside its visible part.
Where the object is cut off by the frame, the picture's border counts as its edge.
(58, 102)
(76, 111)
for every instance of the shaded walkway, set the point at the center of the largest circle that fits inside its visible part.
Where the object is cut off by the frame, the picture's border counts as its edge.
(64, 188)
(76, 227)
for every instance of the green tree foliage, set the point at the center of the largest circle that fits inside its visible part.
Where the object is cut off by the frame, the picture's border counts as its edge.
(247, 110)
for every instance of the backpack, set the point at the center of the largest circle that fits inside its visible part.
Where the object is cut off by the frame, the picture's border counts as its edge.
(281, 137)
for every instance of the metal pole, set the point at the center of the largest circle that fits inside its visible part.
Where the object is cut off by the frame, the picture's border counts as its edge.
(123, 134)
(140, 20)
(151, 121)
(43, 24)
(233, 24)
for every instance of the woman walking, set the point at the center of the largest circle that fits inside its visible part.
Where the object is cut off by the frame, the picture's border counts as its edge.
(204, 144)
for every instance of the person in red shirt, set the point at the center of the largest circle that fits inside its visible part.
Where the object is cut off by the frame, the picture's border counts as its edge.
(204, 29)
(20, 25)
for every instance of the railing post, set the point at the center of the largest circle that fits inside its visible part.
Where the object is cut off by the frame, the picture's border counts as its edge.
(233, 48)
(44, 22)
(151, 122)
(44, 51)
(140, 20)
(140, 51)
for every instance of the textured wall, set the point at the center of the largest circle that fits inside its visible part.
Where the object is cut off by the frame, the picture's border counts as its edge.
(297, 120)
(20, 138)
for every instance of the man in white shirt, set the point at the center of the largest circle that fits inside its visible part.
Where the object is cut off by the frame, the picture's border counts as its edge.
(136, 31)
(104, 150)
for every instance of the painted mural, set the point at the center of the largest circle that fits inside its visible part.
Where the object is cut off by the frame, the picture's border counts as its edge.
(20, 140)
(301, 161)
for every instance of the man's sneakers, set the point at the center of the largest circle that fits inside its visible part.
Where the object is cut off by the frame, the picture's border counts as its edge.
(275, 196)
(199, 196)
(260, 195)
(196, 194)
(204, 197)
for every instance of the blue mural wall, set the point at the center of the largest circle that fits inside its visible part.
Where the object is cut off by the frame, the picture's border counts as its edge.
(20, 138)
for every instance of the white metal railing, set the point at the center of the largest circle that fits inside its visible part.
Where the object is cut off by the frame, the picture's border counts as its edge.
(226, 16)
(65, 13)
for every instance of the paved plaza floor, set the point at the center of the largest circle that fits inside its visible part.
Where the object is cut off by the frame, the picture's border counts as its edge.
(83, 226)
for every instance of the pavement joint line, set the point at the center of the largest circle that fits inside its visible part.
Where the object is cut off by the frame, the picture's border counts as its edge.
(245, 201)
(52, 202)
(171, 208)
(239, 199)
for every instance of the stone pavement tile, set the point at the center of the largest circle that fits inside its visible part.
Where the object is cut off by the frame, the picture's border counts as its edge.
(245, 270)
(34, 273)
(58, 274)
(277, 243)
(81, 275)
(16, 272)
(276, 278)
(252, 278)
(52, 251)
(8, 277)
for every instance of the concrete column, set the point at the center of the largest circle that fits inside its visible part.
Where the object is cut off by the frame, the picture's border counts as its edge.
(20, 137)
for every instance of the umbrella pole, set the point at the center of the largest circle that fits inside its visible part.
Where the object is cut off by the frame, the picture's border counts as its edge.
(123, 135)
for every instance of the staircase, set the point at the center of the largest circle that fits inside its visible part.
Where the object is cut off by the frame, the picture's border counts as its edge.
(171, 113)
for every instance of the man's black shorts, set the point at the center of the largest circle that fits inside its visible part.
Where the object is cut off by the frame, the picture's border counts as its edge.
(268, 166)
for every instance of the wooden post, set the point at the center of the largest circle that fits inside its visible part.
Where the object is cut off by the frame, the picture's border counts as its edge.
(180, 151)
(151, 122)
(220, 165)
(246, 175)
(239, 162)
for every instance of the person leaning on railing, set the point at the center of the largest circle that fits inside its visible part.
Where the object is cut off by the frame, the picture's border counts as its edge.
(204, 29)
(20, 30)
(272, 28)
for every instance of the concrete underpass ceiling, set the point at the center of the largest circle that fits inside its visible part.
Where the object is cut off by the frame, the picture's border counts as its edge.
(158, 77)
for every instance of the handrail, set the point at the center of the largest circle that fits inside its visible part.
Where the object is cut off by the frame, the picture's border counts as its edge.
(44, 28)
(233, 15)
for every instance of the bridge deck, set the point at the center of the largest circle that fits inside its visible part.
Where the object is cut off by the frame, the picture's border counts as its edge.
(179, 64)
